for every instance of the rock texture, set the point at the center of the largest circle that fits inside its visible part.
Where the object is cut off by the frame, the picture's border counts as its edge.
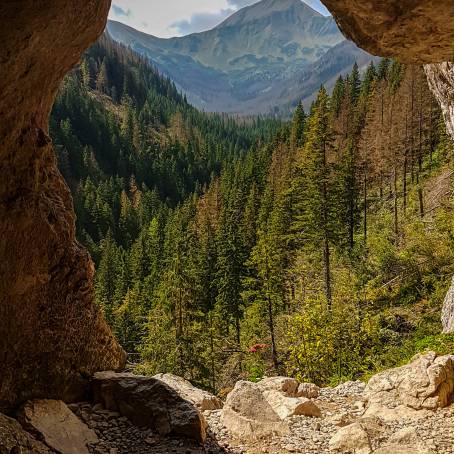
(447, 313)
(414, 31)
(14, 439)
(426, 383)
(257, 410)
(203, 400)
(54, 423)
(149, 402)
(248, 415)
(52, 335)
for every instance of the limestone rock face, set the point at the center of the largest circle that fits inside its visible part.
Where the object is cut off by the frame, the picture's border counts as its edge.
(413, 31)
(441, 82)
(447, 313)
(425, 383)
(52, 335)
(13, 438)
(256, 410)
(149, 402)
(248, 415)
(203, 400)
(54, 423)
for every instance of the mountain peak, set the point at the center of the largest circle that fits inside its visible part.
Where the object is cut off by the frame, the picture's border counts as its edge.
(294, 9)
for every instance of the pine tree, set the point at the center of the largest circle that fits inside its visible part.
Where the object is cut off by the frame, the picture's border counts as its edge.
(298, 126)
(315, 191)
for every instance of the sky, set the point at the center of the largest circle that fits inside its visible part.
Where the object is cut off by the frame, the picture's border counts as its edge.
(167, 18)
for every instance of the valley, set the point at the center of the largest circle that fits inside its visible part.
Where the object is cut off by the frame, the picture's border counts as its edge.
(236, 241)
(263, 59)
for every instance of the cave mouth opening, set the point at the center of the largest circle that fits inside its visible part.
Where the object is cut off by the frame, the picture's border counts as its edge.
(52, 332)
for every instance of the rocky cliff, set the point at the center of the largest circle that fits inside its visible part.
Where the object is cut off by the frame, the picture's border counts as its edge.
(413, 31)
(52, 335)
(441, 81)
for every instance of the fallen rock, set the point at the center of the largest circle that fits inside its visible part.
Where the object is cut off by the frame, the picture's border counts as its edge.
(14, 439)
(426, 383)
(308, 390)
(149, 402)
(56, 425)
(285, 385)
(291, 406)
(203, 400)
(405, 440)
(341, 419)
(248, 415)
(351, 439)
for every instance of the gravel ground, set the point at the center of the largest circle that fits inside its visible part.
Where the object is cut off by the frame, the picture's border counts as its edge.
(340, 406)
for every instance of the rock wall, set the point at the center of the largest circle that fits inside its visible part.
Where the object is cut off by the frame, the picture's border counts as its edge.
(447, 313)
(51, 334)
(413, 31)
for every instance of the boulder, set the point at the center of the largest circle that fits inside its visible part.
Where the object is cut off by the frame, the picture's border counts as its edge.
(290, 406)
(425, 383)
(308, 390)
(351, 439)
(285, 385)
(203, 400)
(256, 410)
(14, 439)
(56, 425)
(149, 402)
(248, 415)
(282, 393)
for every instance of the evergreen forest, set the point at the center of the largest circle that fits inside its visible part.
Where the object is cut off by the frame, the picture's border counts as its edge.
(226, 248)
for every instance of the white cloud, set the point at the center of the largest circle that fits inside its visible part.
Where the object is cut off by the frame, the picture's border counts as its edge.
(166, 18)
(159, 15)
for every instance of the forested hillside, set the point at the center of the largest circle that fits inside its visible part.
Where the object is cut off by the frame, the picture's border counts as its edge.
(224, 249)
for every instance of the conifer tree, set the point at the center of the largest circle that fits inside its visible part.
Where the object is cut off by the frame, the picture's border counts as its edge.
(315, 190)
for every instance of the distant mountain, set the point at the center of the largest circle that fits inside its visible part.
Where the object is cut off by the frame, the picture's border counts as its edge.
(253, 61)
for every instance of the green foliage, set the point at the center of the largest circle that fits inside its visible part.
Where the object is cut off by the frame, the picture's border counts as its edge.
(230, 248)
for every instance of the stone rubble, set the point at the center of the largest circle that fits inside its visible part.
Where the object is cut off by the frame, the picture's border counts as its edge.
(434, 435)
(353, 418)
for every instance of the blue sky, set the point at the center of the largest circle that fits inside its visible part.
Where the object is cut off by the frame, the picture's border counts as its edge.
(166, 18)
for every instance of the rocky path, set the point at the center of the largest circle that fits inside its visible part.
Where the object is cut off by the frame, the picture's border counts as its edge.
(425, 433)
(406, 410)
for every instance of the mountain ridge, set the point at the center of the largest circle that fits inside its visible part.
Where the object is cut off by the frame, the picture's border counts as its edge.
(244, 64)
